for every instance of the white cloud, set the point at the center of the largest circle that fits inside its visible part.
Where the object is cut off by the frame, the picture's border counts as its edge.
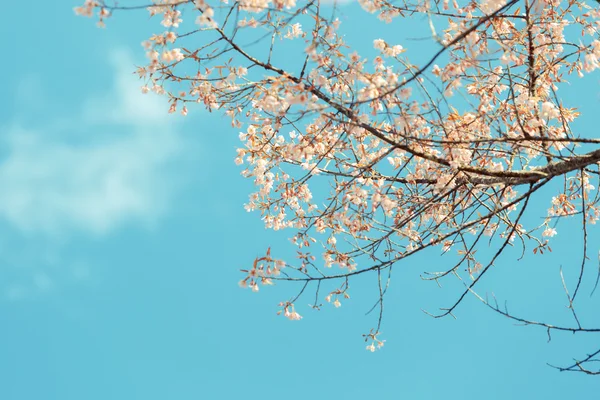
(125, 104)
(110, 165)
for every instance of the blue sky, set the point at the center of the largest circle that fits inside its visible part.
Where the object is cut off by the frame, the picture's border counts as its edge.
(122, 232)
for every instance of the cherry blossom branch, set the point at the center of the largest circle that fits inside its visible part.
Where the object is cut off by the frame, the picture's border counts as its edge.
(387, 159)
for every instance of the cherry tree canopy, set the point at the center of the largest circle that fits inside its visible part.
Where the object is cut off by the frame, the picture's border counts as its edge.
(371, 158)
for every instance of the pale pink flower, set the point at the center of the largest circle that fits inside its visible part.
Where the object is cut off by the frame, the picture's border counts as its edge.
(549, 232)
